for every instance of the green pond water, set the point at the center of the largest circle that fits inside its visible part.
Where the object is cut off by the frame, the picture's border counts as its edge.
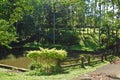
(21, 62)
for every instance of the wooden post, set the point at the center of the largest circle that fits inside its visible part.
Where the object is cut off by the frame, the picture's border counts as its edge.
(59, 63)
(82, 62)
(102, 57)
(59, 68)
(89, 60)
(105, 56)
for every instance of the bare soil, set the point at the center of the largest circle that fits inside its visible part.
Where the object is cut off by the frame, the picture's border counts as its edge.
(108, 72)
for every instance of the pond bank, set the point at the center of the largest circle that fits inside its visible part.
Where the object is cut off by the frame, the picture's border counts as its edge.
(21, 62)
(13, 68)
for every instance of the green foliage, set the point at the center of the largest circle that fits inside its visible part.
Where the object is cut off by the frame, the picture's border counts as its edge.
(7, 33)
(47, 53)
(16, 16)
(102, 48)
(47, 59)
(32, 17)
(34, 66)
(70, 38)
(63, 37)
(11, 56)
(112, 58)
(33, 55)
(85, 56)
(53, 53)
(104, 38)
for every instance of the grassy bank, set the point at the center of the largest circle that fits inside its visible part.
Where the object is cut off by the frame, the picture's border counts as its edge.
(69, 73)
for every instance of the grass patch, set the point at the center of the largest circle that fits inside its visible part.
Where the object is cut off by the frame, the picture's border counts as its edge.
(69, 73)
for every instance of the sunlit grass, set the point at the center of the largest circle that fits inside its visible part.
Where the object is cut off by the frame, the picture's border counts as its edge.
(69, 73)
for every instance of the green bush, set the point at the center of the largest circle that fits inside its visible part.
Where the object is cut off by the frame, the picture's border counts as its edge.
(33, 55)
(11, 56)
(85, 56)
(63, 37)
(47, 59)
(69, 38)
(104, 38)
(34, 66)
(53, 53)
(112, 58)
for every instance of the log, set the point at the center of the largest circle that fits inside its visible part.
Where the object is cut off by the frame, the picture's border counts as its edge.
(12, 67)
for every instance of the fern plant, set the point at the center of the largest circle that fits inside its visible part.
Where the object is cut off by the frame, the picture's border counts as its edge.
(48, 59)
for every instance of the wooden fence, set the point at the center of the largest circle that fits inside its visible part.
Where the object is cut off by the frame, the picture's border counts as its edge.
(82, 61)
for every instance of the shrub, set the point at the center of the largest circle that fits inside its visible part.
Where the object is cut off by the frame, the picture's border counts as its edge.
(85, 56)
(53, 53)
(47, 59)
(112, 58)
(63, 37)
(104, 38)
(34, 66)
(33, 55)
(69, 38)
(101, 49)
(11, 56)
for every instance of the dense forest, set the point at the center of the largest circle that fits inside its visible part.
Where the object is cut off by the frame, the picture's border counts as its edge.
(24, 22)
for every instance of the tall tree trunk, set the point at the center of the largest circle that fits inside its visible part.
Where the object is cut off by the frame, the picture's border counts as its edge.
(100, 23)
(95, 24)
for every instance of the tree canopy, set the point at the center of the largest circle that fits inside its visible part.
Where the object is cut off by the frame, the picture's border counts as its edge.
(11, 11)
(7, 33)
(40, 18)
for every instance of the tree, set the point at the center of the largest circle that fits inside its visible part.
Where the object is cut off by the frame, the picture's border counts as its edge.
(7, 33)
(11, 12)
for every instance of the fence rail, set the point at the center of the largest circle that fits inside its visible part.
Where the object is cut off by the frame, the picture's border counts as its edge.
(82, 61)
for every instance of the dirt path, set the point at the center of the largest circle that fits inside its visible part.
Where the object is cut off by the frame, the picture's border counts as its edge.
(108, 72)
